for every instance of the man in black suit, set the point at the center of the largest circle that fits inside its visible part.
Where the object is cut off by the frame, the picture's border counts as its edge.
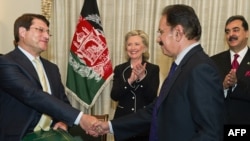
(190, 105)
(22, 99)
(236, 80)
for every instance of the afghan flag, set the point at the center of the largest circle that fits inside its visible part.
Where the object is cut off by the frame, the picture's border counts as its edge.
(89, 66)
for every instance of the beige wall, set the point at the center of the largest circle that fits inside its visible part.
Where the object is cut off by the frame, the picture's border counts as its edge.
(9, 11)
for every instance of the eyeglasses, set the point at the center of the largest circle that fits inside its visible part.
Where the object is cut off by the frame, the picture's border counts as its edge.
(41, 30)
(160, 31)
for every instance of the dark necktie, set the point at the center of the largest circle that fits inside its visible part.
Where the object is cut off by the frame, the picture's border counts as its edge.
(153, 130)
(235, 63)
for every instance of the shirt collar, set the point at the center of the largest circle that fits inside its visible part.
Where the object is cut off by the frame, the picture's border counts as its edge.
(241, 54)
(184, 52)
(27, 54)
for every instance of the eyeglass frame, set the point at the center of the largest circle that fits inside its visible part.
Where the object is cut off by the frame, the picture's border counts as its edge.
(41, 30)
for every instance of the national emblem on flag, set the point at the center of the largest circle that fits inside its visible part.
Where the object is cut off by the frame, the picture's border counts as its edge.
(89, 66)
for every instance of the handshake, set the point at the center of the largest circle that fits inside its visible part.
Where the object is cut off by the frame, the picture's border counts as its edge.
(93, 126)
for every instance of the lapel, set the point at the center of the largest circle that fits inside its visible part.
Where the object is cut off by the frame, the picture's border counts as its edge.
(29, 69)
(50, 72)
(126, 71)
(223, 62)
(45, 66)
(244, 65)
(226, 62)
(25, 63)
(179, 69)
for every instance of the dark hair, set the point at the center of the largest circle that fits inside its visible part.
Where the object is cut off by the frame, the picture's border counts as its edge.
(238, 17)
(26, 21)
(184, 15)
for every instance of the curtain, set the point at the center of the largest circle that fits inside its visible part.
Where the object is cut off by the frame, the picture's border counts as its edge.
(120, 16)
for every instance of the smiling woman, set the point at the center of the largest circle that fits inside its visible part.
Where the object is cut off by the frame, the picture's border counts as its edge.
(132, 84)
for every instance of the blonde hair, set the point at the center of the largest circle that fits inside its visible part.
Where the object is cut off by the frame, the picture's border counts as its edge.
(145, 41)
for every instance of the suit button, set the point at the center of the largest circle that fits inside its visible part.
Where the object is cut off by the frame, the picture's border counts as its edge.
(141, 86)
(125, 87)
(133, 97)
(132, 109)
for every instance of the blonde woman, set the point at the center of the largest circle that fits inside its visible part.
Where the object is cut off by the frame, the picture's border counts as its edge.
(136, 81)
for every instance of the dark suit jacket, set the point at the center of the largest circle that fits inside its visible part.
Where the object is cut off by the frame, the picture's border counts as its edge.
(133, 97)
(237, 101)
(22, 100)
(139, 95)
(192, 108)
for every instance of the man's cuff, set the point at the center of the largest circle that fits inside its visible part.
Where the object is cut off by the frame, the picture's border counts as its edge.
(110, 128)
(225, 92)
(77, 121)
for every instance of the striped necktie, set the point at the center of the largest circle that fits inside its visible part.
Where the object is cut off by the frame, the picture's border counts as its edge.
(45, 120)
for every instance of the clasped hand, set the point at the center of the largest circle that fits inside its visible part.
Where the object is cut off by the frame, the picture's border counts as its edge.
(138, 73)
(230, 79)
(93, 126)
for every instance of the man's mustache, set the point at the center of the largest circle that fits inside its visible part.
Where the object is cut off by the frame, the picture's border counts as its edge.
(160, 43)
(233, 38)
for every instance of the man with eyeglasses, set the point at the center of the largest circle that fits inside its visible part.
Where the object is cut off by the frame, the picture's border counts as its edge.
(190, 103)
(23, 99)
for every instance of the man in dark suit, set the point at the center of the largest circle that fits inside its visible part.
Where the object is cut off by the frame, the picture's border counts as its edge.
(190, 105)
(22, 99)
(236, 80)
